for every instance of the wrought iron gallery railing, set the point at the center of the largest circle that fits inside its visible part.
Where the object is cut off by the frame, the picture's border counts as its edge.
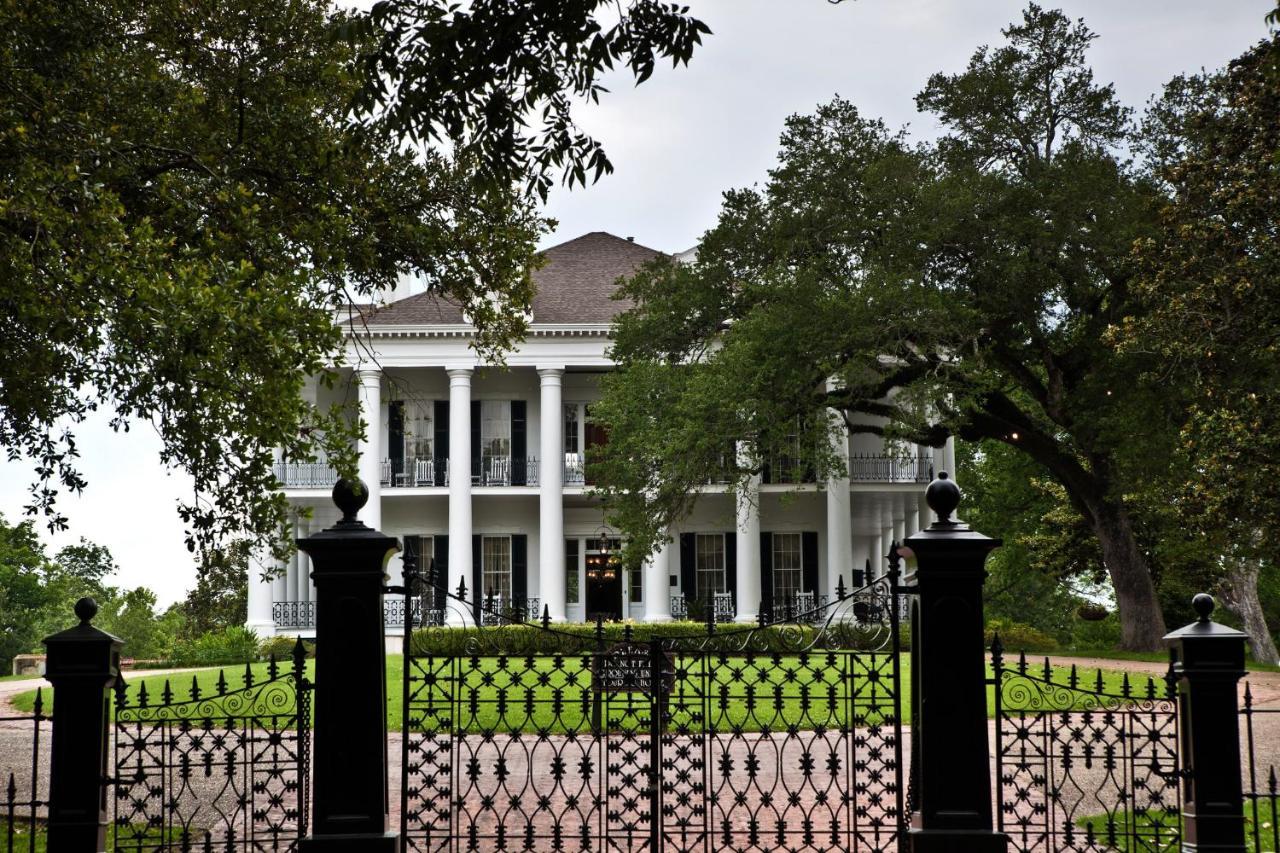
(1261, 790)
(1083, 764)
(421, 613)
(25, 799)
(222, 768)
(505, 471)
(886, 468)
(696, 608)
(293, 614)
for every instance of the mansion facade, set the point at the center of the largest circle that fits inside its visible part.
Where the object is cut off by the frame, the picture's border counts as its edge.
(483, 470)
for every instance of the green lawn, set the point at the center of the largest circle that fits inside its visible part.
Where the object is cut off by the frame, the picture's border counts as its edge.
(1152, 657)
(800, 685)
(1158, 825)
(22, 838)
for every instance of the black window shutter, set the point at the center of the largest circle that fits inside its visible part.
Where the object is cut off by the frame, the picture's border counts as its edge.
(688, 565)
(440, 570)
(809, 560)
(477, 572)
(731, 564)
(440, 427)
(475, 441)
(571, 567)
(766, 573)
(519, 566)
(395, 437)
(519, 443)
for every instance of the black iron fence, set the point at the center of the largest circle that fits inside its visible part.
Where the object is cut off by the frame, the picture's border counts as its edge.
(216, 768)
(1261, 793)
(785, 735)
(25, 799)
(1084, 763)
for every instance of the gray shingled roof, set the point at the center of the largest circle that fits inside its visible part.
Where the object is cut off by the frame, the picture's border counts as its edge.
(574, 286)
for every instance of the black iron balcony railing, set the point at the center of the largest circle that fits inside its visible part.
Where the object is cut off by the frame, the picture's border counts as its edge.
(293, 614)
(421, 613)
(504, 610)
(505, 471)
(695, 608)
(415, 472)
(800, 607)
(306, 475)
(885, 468)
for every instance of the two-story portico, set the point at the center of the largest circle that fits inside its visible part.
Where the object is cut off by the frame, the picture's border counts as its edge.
(519, 524)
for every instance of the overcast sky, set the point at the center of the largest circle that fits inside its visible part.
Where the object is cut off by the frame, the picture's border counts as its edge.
(680, 140)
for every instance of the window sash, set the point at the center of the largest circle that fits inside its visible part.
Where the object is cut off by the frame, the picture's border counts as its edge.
(788, 577)
(571, 428)
(496, 567)
(418, 434)
(710, 565)
(572, 572)
(495, 429)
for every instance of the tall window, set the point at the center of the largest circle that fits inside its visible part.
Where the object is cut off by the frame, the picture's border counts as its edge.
(710, 565)
(571, 577)
(571, 428)
(635, 584)
(496, 566)
(417, 429)
(786, 566)
(495, 431)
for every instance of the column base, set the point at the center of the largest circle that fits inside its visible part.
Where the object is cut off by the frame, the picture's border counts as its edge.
(387, 842)
(956, 841)
(747, 618)
(654, 618)
(262, 629)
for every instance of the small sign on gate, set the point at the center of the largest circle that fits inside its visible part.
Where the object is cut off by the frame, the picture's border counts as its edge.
(629, 668)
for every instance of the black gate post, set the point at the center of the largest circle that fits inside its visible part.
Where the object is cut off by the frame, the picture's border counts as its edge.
(349, 761)
(949, 743)
(83, 664)
(1208, 664)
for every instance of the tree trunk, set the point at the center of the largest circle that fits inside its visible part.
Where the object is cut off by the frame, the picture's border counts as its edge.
(1142, 627)
(1239, 592)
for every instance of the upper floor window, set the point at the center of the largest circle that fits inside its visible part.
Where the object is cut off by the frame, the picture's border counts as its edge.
(495, 430)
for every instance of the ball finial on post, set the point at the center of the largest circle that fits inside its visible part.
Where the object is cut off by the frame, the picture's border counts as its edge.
(86, 608)
(1203, 605)
(943, 496)
(350, 497)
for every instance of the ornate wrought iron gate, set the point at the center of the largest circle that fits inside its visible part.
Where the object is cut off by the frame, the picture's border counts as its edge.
(783, 736)
(217, 769)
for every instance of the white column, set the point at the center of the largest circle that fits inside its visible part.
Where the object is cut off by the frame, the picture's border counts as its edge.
(949, 451)
(302, 583)
(839, 522)
(899, 518)
(926, 515)
(861, 554)
(551, 494)
(460, 493)
(657, 587)
(259, 614)
(280, 582)
(370, 448)
(913, 515)
(748, 536)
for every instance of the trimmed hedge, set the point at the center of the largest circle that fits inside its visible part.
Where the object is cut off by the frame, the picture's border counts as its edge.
(574, 639)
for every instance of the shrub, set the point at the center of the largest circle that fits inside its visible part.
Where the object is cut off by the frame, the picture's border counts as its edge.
(235, 644)
(574, 639)
(1089, 634)
(282, 648)
(1019, 637)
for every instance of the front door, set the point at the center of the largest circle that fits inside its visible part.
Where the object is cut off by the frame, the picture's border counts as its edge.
(604, 582)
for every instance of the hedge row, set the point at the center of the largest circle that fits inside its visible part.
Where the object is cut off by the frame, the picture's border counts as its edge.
(571, 639)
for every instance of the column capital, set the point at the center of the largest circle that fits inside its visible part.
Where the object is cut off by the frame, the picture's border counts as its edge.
(550, 374)
(369, 374)
(459, 371)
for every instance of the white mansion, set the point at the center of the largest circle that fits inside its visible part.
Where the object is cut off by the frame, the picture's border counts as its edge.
(483, 469)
